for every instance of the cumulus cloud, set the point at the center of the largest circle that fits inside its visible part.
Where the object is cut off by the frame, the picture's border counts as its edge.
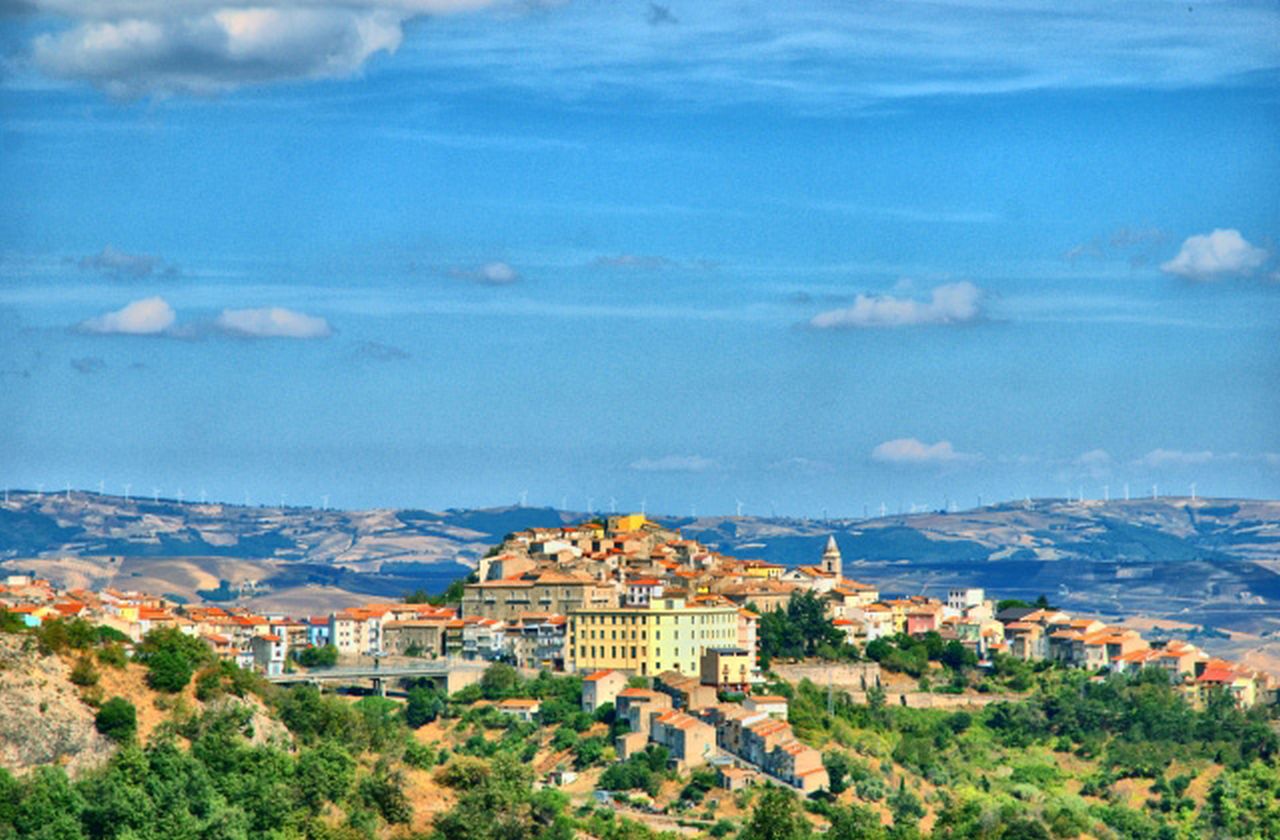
(271, 322)
(149, 316)
(951, 303)
(1158, 458)
(88, 364)
(916, 453)
(112, 261)
(204, 47)
(1223, 253)
(674, 463)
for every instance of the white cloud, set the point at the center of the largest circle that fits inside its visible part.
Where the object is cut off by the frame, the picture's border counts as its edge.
(914, 452)
(495, 273)
(803, 466)
(272, 322)
(952, 303)
(147, 46)
(1222, 253)
(674, 463)
(149, 316)
(1158, 458)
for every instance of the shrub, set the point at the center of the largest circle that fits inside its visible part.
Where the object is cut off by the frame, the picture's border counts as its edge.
(117, 720)
(113, 655)
(317, 657)
(84, 674)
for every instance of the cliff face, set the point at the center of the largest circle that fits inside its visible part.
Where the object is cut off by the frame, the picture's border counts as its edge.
(42, 718)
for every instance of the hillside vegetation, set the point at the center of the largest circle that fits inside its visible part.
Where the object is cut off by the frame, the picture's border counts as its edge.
(208, 751)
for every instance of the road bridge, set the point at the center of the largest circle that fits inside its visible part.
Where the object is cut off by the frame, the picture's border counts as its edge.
(450, 675)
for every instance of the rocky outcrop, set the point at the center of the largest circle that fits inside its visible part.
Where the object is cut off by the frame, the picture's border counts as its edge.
(42, 718)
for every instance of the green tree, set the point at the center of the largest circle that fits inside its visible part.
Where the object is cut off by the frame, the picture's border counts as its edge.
(323, 656)
(324, 774)
(424, 705)
(117, 720)
(776, 816)
(854, 822)
(837, 764)
(499, 680)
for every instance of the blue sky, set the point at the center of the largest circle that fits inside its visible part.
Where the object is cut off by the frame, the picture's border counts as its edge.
(434, 253)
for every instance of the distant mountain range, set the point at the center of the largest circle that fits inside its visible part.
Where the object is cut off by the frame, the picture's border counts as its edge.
(1213, 562)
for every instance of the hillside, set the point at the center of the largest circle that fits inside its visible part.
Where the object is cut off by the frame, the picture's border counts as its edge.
(1213, 562)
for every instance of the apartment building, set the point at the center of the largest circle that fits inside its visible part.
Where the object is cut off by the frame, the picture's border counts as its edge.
(667, 635)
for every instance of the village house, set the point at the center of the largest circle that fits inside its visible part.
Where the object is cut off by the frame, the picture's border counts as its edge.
(601, 687)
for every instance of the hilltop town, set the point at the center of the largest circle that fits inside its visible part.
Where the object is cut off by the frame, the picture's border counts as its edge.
(661, 629)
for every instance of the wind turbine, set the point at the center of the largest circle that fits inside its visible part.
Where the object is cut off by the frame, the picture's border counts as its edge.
(738, 508)
(102, 486)
(68, 496)
(1193, 491)
(180, 495)
(127, 485)
(39, 489)
(883, 510)
(203, 495)
(564, 502)
(1155, 492)
(1126, 491)
(282, 497)
(324, 502)
(613, 505)
(155, 494)
(524, 498)
(590, 503)
(1106, 492)
(644, 504)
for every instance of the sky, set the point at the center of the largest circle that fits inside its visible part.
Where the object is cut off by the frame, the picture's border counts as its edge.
(789, 258)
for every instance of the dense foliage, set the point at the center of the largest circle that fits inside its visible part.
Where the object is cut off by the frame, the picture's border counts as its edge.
(801, 630)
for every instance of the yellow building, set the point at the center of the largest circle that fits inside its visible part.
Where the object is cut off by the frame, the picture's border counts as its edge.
(666, 635)
(623, 524)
